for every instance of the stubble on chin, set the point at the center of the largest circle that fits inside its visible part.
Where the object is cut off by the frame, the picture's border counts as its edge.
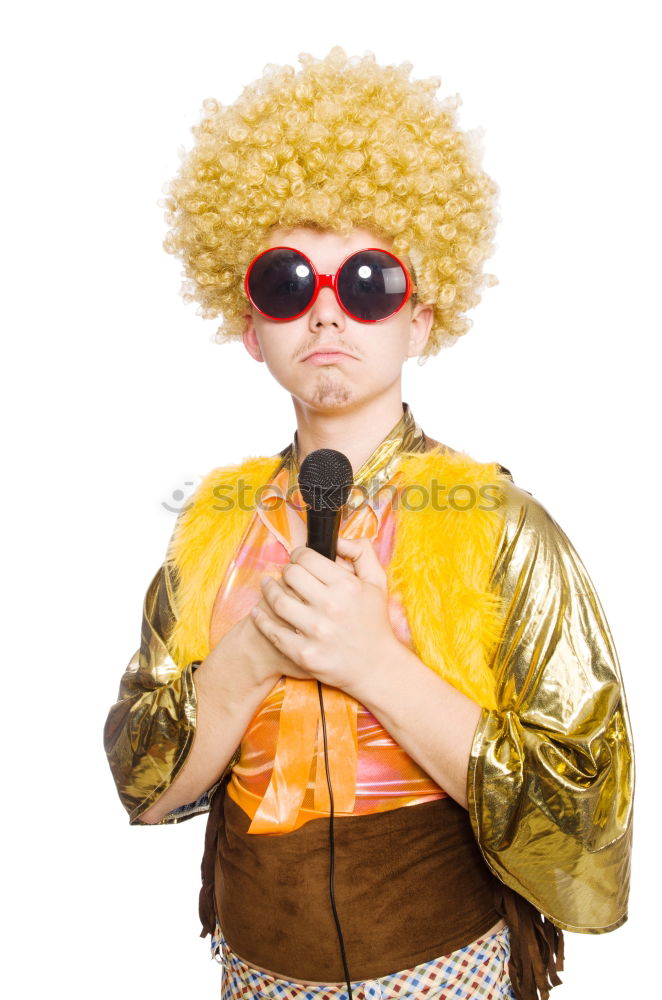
(330, 392)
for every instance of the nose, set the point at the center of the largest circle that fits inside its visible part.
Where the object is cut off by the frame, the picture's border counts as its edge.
(326, 311)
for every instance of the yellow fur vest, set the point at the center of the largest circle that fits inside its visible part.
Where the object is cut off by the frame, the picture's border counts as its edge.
(441, 565)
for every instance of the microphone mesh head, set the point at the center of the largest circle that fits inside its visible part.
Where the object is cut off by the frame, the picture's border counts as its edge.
(326, 479)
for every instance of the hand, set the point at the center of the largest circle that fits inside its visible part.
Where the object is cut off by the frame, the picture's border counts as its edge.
(258, 660)
(330, 619)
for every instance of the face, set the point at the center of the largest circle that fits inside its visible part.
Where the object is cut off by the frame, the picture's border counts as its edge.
(325, 359)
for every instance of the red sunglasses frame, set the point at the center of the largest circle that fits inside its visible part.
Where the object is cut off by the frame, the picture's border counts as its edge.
(330, 281)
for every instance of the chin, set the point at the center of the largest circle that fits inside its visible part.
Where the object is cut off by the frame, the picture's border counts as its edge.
(326, 393)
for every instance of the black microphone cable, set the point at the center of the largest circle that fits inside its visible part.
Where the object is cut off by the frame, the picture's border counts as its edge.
(325, 481)
(332, 850)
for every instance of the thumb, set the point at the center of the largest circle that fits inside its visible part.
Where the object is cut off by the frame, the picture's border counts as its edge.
(361, 553)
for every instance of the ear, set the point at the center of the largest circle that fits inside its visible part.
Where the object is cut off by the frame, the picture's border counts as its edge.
(419, 330)
(249, 337)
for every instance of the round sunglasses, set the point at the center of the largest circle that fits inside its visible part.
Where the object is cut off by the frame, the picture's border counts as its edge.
(370, 285)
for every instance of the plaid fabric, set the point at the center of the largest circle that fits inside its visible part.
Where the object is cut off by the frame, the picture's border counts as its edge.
(478, 971)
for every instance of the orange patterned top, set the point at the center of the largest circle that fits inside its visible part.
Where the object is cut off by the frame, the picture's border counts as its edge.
(280, 779)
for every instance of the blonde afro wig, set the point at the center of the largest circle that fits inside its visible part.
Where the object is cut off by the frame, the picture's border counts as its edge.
(341, 143)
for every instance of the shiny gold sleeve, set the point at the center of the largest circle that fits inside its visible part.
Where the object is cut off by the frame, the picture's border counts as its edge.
(551, 773)
(149, 730)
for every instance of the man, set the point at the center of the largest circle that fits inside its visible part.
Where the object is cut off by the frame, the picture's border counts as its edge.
(475, 735)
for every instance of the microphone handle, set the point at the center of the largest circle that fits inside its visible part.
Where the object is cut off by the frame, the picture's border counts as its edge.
(322, 531)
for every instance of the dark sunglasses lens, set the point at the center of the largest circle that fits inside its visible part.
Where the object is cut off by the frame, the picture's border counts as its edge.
(372, 285)
(281, 283)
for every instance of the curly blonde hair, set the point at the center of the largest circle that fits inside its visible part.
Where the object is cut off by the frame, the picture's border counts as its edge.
(341, 143)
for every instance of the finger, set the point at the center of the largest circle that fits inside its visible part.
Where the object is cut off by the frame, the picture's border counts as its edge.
(264, 607)
(279, 578)
(364, 558)
(323, 569)
(346, 564)
(303, 584)
(282, 637)
(263, 614)
(290, 610)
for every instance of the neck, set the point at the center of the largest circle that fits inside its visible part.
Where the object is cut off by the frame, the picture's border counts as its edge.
(355, 431)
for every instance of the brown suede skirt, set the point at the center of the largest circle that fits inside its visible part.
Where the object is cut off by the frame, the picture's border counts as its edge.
(410, 885)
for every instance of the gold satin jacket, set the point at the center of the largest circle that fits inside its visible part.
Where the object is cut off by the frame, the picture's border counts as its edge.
(551, 773)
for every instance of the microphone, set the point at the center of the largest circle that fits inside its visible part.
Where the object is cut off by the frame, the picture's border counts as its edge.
(325, 481)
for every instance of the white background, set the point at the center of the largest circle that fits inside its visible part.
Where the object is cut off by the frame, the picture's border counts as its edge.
(115, 397)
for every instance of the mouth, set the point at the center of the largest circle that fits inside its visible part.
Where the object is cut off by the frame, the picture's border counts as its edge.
(327, 356)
